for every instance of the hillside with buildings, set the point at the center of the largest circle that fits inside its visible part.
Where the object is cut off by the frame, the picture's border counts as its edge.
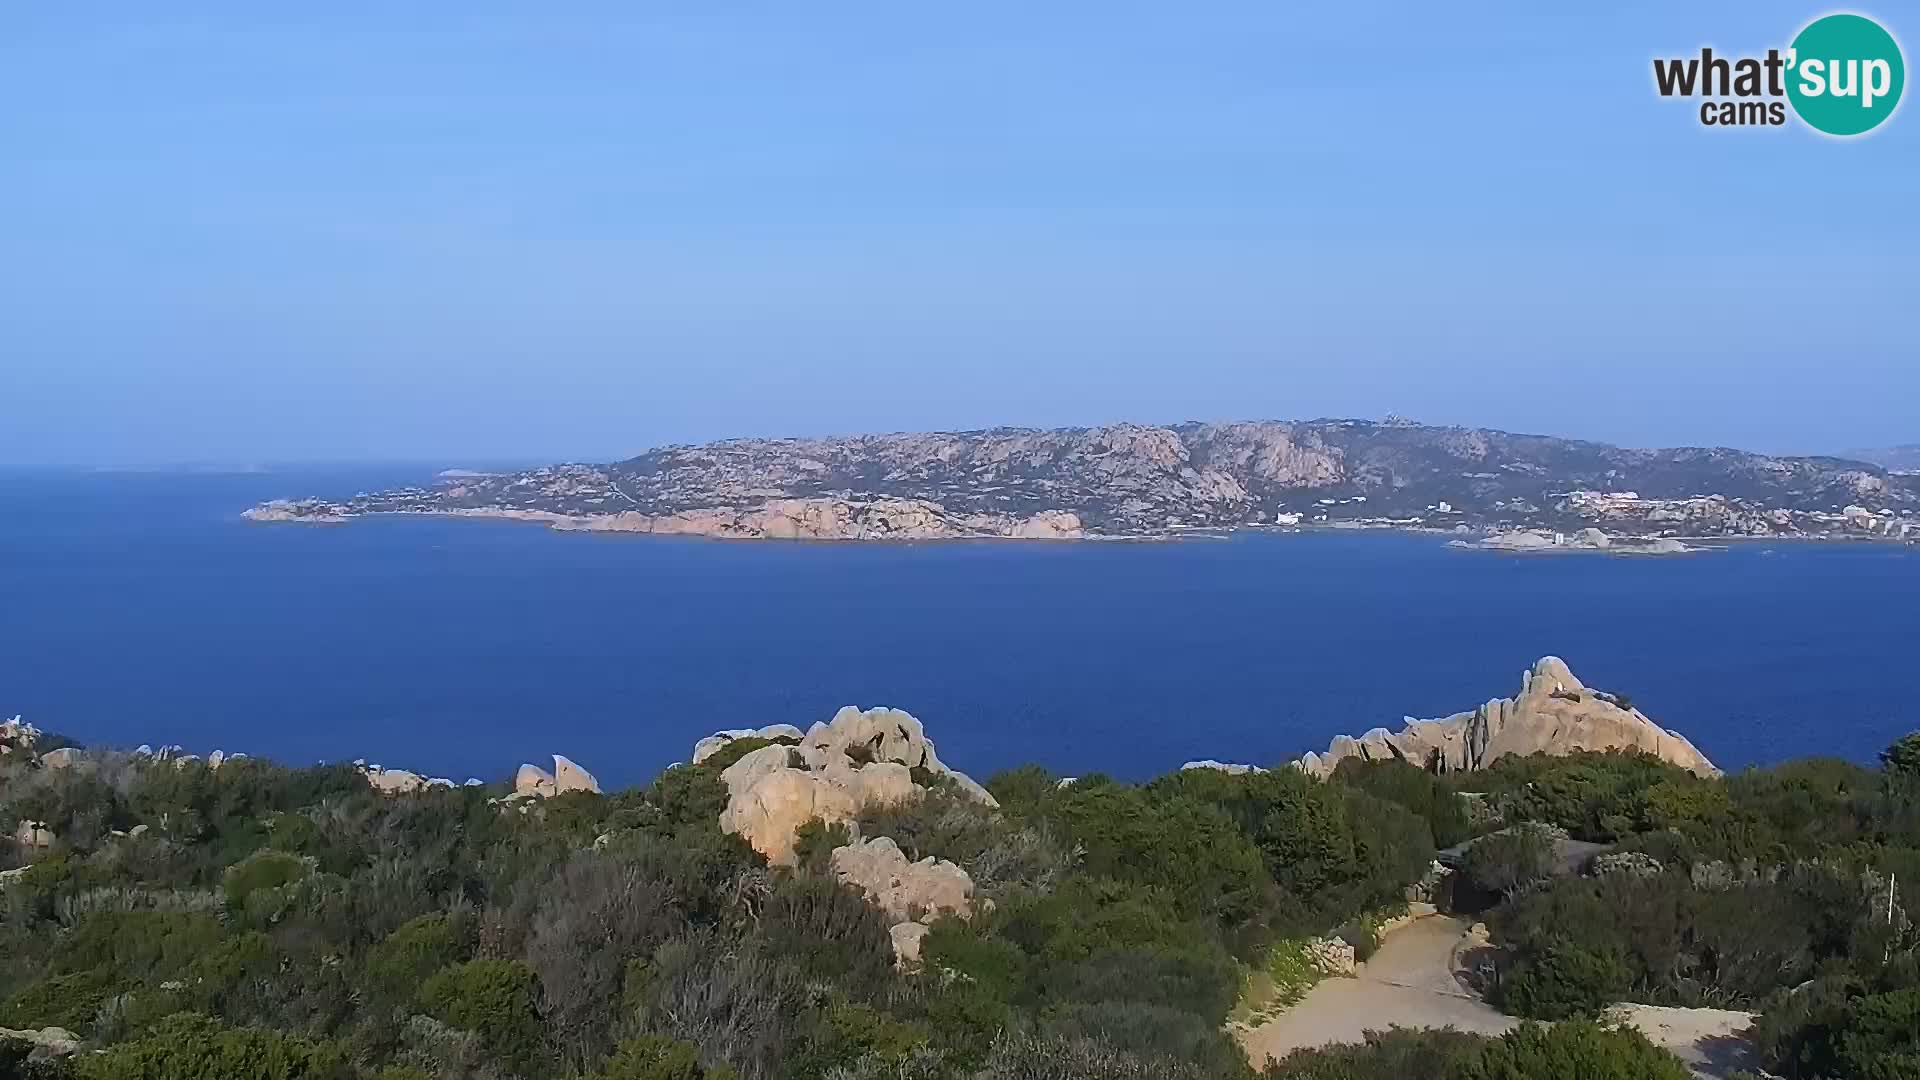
(1128, 480)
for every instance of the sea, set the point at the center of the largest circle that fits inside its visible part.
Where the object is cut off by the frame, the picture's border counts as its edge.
(140, 608)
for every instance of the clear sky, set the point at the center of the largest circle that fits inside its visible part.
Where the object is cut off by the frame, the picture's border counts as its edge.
(469, 231)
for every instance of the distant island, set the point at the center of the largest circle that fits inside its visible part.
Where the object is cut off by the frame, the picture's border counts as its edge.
(1137, 481)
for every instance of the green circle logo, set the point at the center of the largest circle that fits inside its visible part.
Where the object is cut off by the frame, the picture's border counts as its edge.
(1845, 74)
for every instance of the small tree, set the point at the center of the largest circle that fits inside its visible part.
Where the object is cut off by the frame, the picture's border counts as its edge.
(1903, 757)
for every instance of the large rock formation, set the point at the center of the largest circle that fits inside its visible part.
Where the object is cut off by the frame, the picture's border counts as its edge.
(907, 891)
(1554, 713)
(46, 1043)
(568, 776)
(912, 894)
(855, 760)
(534, 782)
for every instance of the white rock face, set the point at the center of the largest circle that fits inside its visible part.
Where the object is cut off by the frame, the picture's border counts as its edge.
(64, 758)
(393, 781)
(911, 894)
(907, 891)
(570, 777)
(534, 781)
(907, 939)
(34, 834)
(384, 780)
(1229, 767)
(1553, 714)
(855, 760)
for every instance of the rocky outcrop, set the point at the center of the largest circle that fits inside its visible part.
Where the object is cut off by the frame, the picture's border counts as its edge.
(855, 760)
(907, 891)
(17, 736)
(570, 777)
(534, 782)
(392, 781)
(46, 1043)
(34, 835)
(715, 742)
(907, 940)
(1332, 956)
(911, 894)
(1554, 713)
(1231, 768)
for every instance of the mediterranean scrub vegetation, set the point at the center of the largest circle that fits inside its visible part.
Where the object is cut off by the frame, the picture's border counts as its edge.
(265, 922)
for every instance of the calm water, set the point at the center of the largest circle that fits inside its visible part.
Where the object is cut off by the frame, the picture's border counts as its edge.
(139, 608)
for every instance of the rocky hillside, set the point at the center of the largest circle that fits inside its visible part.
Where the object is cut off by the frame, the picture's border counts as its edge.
(1133, 480)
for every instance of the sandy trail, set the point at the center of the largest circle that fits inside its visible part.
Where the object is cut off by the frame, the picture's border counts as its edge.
(1410, 983)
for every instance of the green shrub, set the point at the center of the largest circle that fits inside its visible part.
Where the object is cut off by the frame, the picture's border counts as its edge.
(1903, 757)
(68, 1001)
(831, 932)
(1398, 1054)
(1510, 860)
(814, 841)
(266, 869)
(409, 955)
(1187, 847)
(734, 750)
(495, 999)
(188, 1046)
(655, 1057)
(1444, 809)
(136, 945)
(1576, 1050)
(1562, 980)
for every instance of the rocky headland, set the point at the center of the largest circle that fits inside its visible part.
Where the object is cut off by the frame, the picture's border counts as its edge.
(1554, 713)
(1132, 480)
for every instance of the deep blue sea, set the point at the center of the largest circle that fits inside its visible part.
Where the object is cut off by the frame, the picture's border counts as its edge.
(140, 608)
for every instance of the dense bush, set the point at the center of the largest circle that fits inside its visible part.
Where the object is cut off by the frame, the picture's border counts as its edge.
(494, 999)
(279, 922)
(1508, 861)
(1426, 794)
(187, 1045)
(1568, 1051)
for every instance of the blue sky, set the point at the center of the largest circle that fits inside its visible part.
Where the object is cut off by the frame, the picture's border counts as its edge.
(482, 232)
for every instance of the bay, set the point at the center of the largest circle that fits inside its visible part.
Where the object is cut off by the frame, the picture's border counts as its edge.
(140, 608)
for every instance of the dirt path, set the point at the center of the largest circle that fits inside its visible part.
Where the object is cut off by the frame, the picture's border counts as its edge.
(1410, 983)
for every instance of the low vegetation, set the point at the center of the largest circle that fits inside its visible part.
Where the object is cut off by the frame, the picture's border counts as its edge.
(267, 922)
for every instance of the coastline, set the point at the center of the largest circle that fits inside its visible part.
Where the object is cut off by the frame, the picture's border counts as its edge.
(631, 525)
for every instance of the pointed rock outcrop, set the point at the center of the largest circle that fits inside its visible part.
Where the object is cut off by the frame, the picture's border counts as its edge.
(1554, 713)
